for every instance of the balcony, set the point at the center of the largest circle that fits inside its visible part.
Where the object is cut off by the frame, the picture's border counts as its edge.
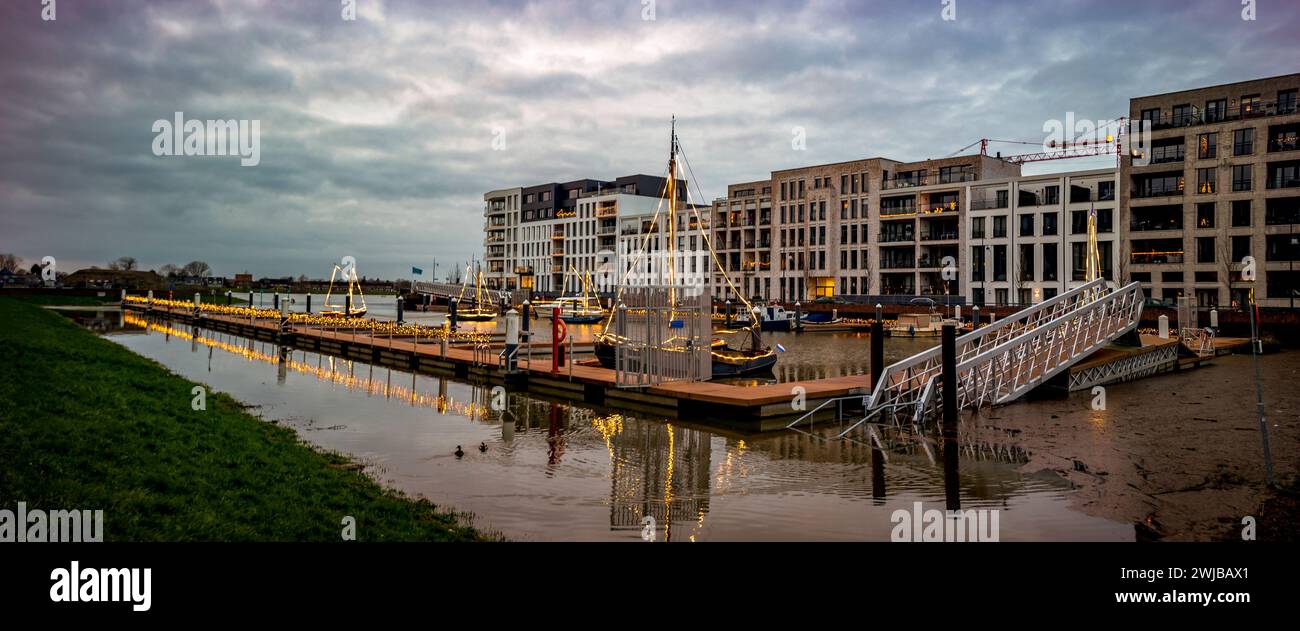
(1173, 257)
(926, 178)
(897, 263)
(940, 235)
(1284, 138)
(606, 210)
(1245, 111)
(893, 212)
(987, 204)
(556, 234)
(557, 250)
(939, 207)
(895, 237)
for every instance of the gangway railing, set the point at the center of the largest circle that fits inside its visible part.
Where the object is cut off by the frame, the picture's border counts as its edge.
(1001, 362)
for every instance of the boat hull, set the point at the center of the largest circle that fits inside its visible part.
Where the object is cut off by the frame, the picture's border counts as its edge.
(586, 319)
(757, 364)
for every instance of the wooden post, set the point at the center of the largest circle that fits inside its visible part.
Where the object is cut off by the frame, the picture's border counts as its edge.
(877, 352)
(951, 477)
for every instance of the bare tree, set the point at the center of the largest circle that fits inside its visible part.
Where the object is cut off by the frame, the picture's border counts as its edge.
(123, 263)
(169, 270)
(10, 262)
(197, 268)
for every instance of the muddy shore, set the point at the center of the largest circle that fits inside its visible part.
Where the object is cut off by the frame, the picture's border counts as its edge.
(1179, 456)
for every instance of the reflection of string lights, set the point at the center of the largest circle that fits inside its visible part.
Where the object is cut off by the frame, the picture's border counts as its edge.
(439, 402)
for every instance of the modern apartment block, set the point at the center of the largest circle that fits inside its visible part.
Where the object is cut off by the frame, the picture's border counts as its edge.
(1027, 236)
(1221, 183)
(535, 234)
(868, 227)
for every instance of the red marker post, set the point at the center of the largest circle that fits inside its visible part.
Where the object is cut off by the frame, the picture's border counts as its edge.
(558, 333)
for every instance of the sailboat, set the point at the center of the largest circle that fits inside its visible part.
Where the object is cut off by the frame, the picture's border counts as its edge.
(350, 276)
(481, 311)
(752, 356)
(584, 309)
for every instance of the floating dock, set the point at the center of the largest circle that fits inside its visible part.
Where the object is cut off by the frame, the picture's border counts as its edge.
(751, 408)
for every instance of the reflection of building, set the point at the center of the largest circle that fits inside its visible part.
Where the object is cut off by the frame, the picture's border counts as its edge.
(658, 470)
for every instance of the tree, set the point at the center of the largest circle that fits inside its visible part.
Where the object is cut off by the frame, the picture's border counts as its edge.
(197, 268)
(10, 262)
(36, 269)
(123, 264)
(169, 270)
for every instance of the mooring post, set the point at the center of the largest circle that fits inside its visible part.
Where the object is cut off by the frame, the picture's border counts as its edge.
(527, 315)
(877, 352)
(1214, 319)
(880, 312)
(250, 299)
(150, 302)
(122, 298)
(975, 317)
(1163, 327)
(275, 301)
(451, 312)
(347, 306)
(1257, 349)
(446, 335)
(512, 338)
(400, 305)
(198, 305)
(798, 316)
(309, 302)
(230, 298)
(728, 312)
(950, 473)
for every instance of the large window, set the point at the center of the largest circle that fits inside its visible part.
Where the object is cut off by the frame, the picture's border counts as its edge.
(1207, 145)
(1049, 224)
(1204, 249)
(1049, 261)
(977, 227)
(1027, 262)
(1205, 215)
(999, 262)
(1241, 213)
(999, 226)
(1026, 225)
(1243, 142)
(1241, 177)
(1205, 180)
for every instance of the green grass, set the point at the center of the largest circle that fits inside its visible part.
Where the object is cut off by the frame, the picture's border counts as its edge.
(87, 424)
(51, 300)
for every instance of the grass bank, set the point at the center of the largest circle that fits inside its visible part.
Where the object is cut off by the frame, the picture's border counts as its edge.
(87, 424)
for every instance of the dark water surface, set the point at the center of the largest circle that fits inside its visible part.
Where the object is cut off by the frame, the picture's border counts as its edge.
(559, 471)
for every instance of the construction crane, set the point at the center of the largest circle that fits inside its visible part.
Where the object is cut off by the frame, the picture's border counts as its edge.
(1055, 150)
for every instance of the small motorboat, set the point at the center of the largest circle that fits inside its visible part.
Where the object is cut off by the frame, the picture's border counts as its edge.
(821, 317)
(917, 325)
(772, 317)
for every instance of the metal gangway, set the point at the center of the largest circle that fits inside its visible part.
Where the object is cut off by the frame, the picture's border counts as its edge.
(1001, 362)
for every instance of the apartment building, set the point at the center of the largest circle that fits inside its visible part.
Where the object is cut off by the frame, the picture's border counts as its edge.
(536, 236)
(1219, 183)
(871, 227)
(1027, 236)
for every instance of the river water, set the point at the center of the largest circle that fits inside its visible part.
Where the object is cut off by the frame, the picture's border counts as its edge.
(558, 471)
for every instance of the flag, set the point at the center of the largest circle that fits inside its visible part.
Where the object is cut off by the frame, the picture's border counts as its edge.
(779, 347)
(417, 271)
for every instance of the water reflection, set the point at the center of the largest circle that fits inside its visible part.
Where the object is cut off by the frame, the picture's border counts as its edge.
(556, 470)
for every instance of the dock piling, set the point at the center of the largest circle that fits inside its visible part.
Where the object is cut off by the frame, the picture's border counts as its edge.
(951, 479)
(877, 352)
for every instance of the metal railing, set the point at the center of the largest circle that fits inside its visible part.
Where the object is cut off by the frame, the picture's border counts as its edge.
(998, 363)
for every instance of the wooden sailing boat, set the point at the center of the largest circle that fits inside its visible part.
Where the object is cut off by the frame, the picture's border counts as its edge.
(349, 308)
(584, 309)
(482, 311)
(752, 356)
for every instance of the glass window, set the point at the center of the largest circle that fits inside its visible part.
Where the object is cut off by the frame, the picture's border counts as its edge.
(1207, 145)
(1241, 177)
(1243, 142)
(1205, 180)
(1026, 225)
(1049, 224)
(999, 226)
(1205, 215)
(1241, 213)
(977, 227)
(1204, 249)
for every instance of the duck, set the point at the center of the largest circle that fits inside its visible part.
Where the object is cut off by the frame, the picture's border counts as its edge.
(459, 452)
(482, 447)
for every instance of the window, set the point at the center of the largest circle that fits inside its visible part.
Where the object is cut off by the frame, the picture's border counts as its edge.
(844, 183)
(999, 263)
(977, 263)
(977, 227)
(1250, 105)
(1240, 247)
(1205, 180)
(1049, 261)
(783, 195)
(1207, 277)
(1183, 115)
(1241, 213)
(1049, 224)
(1105, 191)
(1001, 198)
(1105, 221)
(1079, 222)
(1078, 260)
(1207, 145)
(1286, 101)
(1051, 195)
(1027, 262)
(1243, 142)
(1152, 115)
(999, 226)
(1204, 249)
(1171, 277)
(1241, 177)
(1205, 215)
(1026, 225)
(1215, 110)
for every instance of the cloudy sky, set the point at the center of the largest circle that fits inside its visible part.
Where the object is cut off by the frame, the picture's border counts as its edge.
(377, 133)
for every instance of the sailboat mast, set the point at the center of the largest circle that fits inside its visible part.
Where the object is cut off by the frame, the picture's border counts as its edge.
(672, 215)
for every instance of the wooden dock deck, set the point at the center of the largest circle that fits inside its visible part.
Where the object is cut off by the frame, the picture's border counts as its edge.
(749, 408)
